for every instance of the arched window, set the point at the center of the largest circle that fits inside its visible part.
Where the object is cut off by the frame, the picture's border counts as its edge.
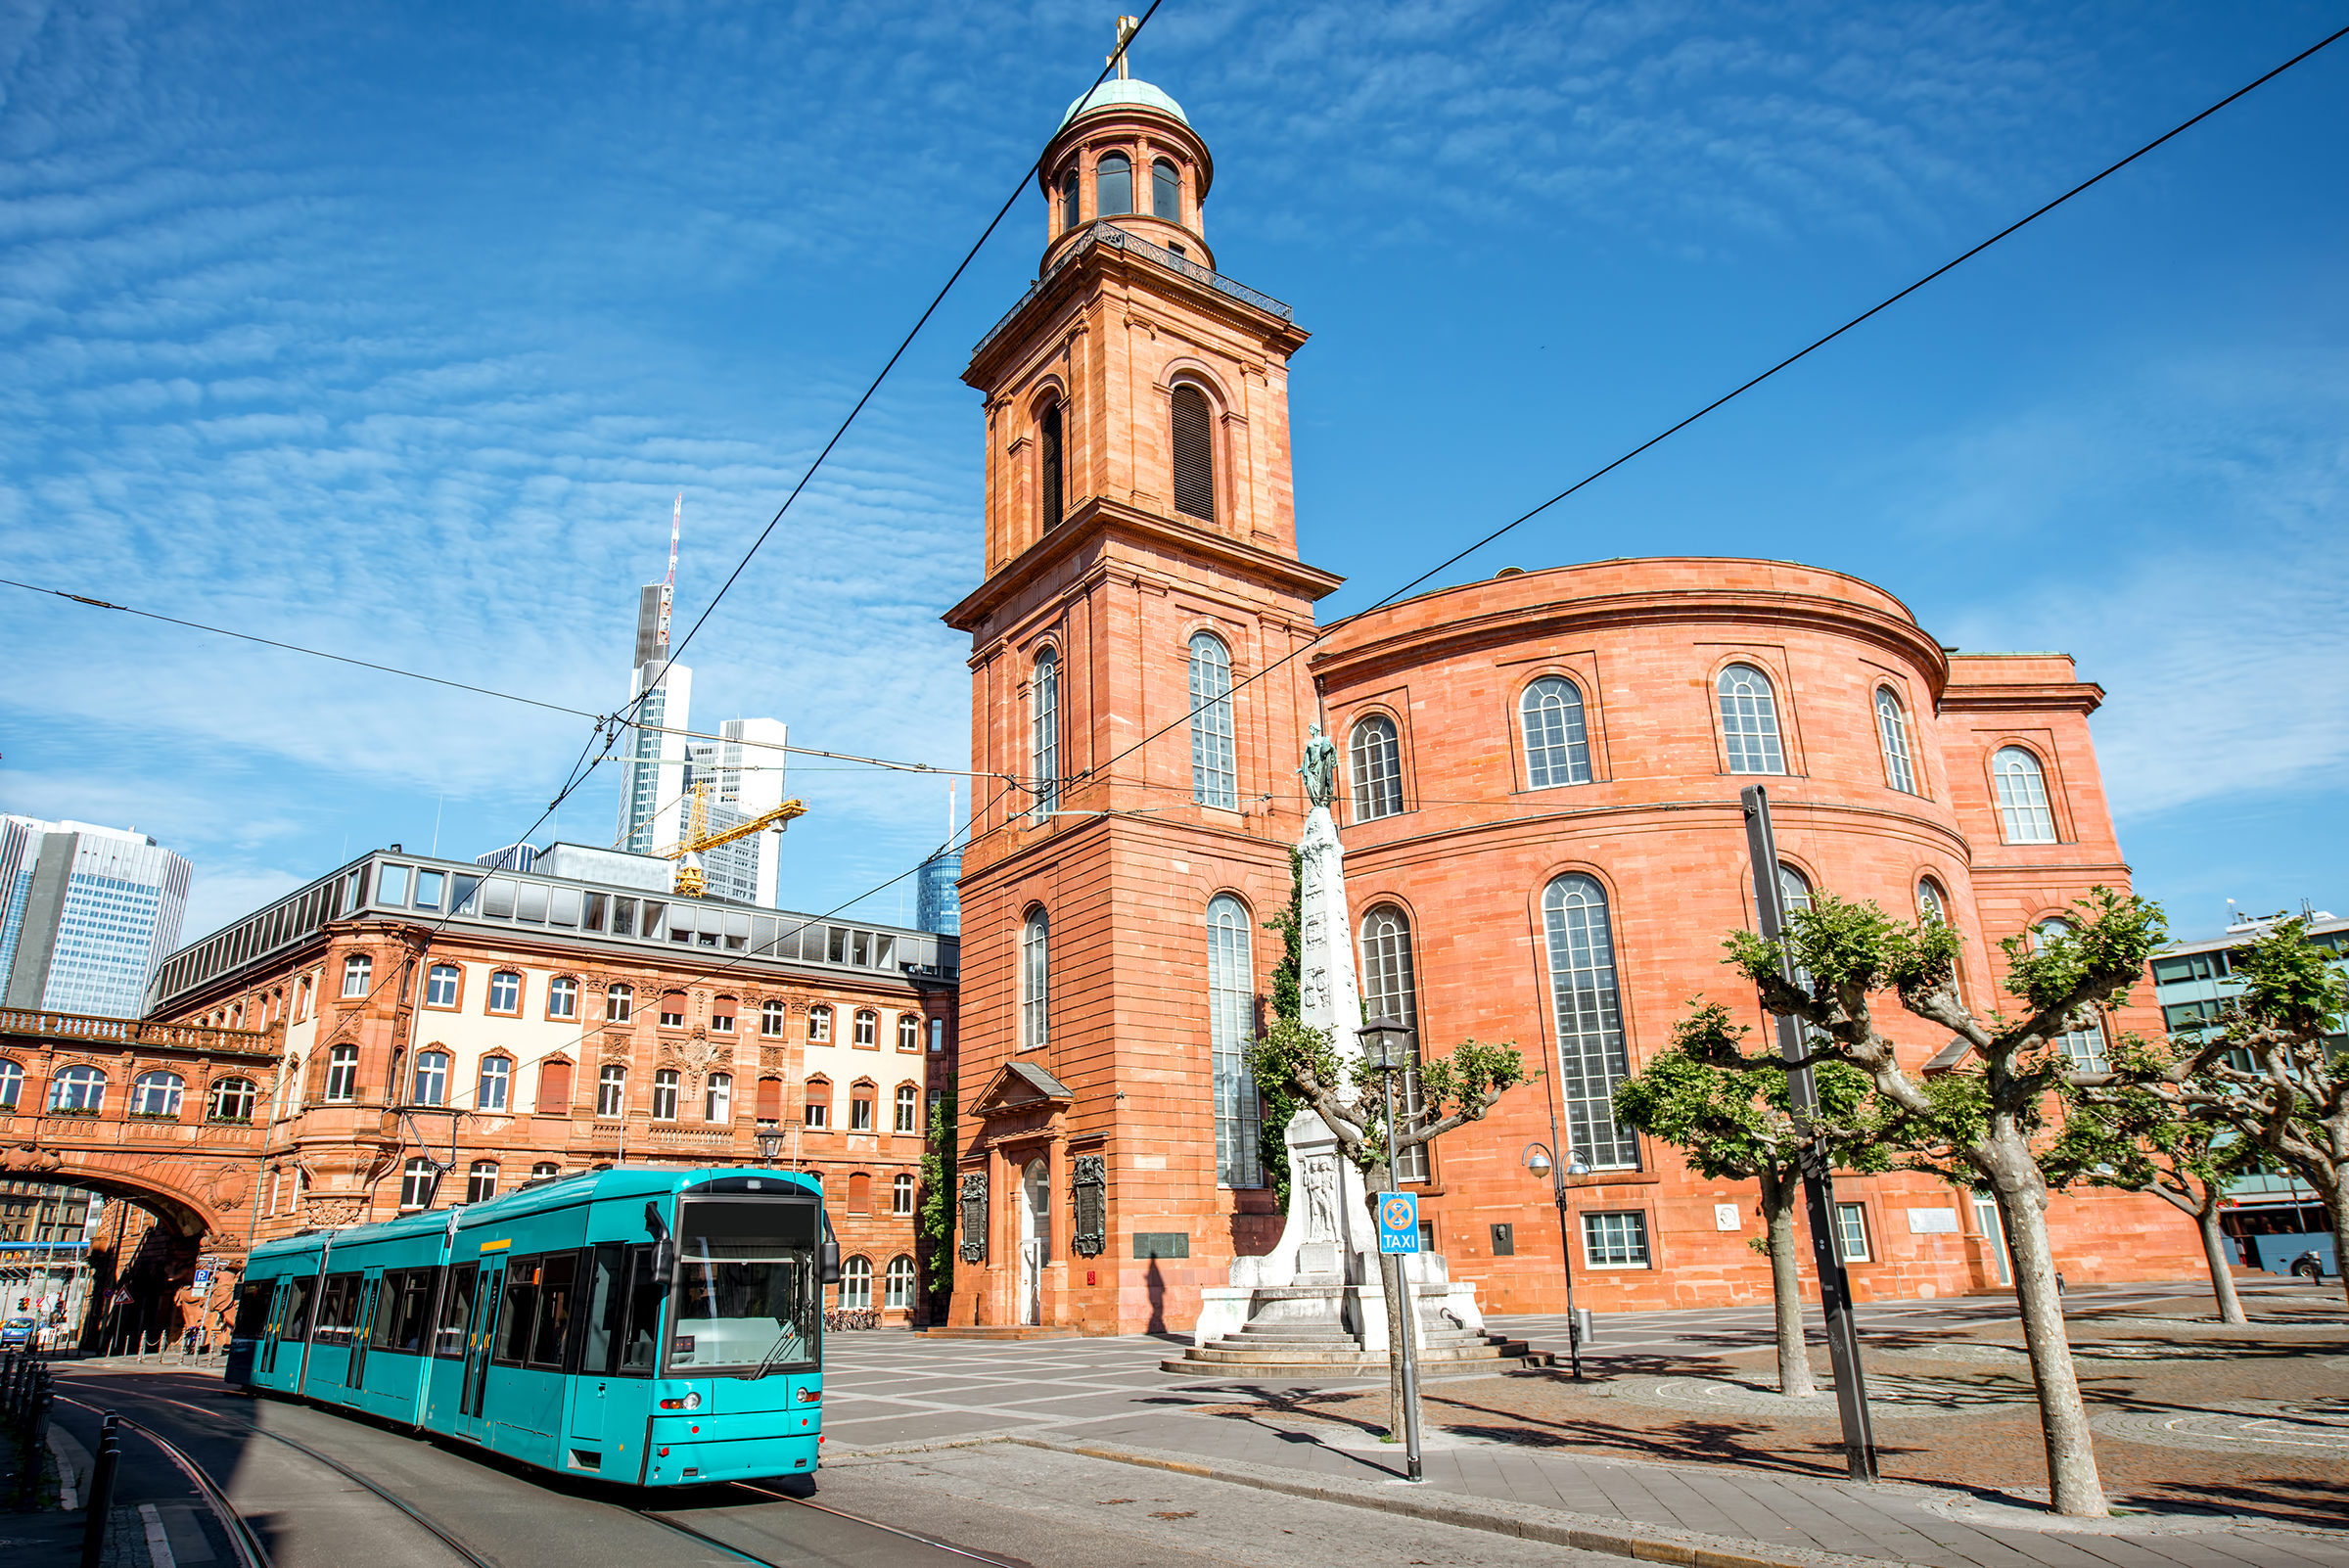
(1391, 989)
(440, 985)
(1588, 1007)
(1113, 185)
(493, 1087)
(816, 1108)
(1377, 761)
(562, 997)
(1052, 466)
(1230, 1025)
(819, 1024)
(1794, 890)
(355, 972)
(505, 991)
(1892, 727)
(156, 1093)
(909, 1033)
(1043, 753)
(620, 1004)
(1214, 777)
(722, 1010)
(717, 1098)
(481, 1182)
(856, 1283)
(1166, 192)
(1932, 902)
(860, 1192)
(416, 1184)
(1194, 454)
(770, 1018)
(901, 1193)
(860, 1107)
(673, 1009)
(232, 1101)
(432, 1078)
(289, 1087)
(343, 1074)
(1749, 722)
(1557, 745)
(553, 1088)
(2023, 808)
(665, 1094)
(2085, 1046)
(78, 1088)
(1068, 200)
(868, 1029)
(545, 1171)
(11, 1084)
(612, 1090)
(1036, 981)
(909, 1104)
(900, 1281)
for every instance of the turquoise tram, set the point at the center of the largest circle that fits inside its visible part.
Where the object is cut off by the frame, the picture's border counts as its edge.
(654, 1327)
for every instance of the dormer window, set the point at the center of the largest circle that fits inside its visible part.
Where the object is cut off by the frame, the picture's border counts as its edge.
(1166, 192)
(1113, 185)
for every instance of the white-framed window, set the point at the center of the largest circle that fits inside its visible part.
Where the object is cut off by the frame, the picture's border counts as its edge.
(819, 1024)
(545, 1171)
(1390, 989)
(481, 1182)
(1931, 903)
(1375, 755)
(909, 1033)
(1044, 708)
(11, 1084)
(722, 1022)
(1588, 1004)
(1749, 722)
(232, 1099)
(1615, 1240)
(856, 1283)
(672, 1010)
(1214, 774)
(901, 1193)
(343, 1074)
(432, 1078)
(938, 1036)
(816, 1111)
(908, 1109)
(356, 971)
(620, 1004)
(1230, 1026)
(156, 1093)
(860, 1108)
(717, 1098)
(1036, 981)
(1851, 1233)
(505, 991)
(416, 1184)
(665, 1094)
(495, 1083)
(868, 1028)
(440, 985)
(1558, 740)
(1892, 728)
(771, 1015)
(612, 1090)
(901, 1281)
(562, 997)
(2023, 809)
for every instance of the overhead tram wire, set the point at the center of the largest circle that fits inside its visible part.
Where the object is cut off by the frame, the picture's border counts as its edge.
(1734, 393)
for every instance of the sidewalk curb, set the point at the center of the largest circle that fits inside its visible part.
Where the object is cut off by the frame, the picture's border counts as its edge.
(1583, 1532)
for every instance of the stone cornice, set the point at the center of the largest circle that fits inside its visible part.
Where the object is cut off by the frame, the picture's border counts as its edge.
(2044, 697)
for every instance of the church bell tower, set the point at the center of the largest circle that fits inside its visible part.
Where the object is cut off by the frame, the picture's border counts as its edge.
(1135, 736)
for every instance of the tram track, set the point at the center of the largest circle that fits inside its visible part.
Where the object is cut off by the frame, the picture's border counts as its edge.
(254, 1554)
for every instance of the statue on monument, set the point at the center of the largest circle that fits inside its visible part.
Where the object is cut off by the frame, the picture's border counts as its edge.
(1320, 771)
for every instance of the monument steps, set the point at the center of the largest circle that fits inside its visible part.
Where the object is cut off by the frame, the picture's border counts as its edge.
(1323, 1350)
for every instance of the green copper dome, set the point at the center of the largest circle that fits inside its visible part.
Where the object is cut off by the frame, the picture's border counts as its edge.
(1114, 92)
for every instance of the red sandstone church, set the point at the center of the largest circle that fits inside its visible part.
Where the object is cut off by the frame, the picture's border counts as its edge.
(1542, 823)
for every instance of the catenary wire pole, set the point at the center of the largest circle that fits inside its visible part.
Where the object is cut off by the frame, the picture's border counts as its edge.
(1819, 1183)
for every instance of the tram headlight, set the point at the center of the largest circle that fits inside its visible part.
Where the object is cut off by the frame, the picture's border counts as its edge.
(691, 1401)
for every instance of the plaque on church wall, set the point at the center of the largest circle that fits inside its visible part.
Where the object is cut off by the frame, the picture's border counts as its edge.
(1088, 1197)
(974, 1216)
(1162, 1244)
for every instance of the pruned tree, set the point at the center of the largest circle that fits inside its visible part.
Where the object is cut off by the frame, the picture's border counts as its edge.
(2129, 1137)
(2275, 1068)
(1735, 1125)
(1985, 1123)
(1301, 1061)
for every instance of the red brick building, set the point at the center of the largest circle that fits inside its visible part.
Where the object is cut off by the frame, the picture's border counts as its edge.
(1541, 822)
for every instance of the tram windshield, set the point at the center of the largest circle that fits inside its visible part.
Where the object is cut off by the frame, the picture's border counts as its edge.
(747, 1294)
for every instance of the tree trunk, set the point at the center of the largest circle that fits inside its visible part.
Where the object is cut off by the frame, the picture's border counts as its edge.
(2337, 1209)
(2073, 1483)
(1389, 1273)
(1779, 1189)
(2220, 1257)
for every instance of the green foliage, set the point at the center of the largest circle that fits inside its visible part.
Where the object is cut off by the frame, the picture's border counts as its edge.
(1302, 1061)
(1734, 1123)
(2112, 943)
(1466, 1082)
(933, 1218)
(2129, 1136)
(1280, 1099)
(2291, 984)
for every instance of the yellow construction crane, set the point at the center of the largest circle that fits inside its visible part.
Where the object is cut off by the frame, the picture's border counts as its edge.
(699, 838)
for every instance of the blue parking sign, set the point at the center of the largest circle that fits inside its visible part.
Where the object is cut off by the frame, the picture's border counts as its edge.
(1398, 1221)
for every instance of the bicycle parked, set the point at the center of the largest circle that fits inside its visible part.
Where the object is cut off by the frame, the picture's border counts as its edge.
(852, 1318)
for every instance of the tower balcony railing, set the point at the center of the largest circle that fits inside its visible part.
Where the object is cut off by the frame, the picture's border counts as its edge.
(92, 1027)
(1102, 231)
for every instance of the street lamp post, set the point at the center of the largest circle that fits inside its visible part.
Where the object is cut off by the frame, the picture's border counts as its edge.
(770, 1146)
(1542, 1158)
(1387, 1051)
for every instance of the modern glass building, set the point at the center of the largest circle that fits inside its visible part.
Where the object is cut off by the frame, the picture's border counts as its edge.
(86, 914)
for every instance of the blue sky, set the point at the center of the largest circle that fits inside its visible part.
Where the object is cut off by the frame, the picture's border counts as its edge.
(393, 329)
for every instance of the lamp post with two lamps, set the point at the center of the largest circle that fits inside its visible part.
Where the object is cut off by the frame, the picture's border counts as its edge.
(1542, 1158)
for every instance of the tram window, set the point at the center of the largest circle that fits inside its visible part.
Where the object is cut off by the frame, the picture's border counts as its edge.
(455, 1309)
(606, 1310)
(414, 1304)
(296, 1324)
(337, 1310)
(387, 1310)
(522, 1307)
(252, 1308)
(555, 1279)
(641, 1351)
(747, 1286)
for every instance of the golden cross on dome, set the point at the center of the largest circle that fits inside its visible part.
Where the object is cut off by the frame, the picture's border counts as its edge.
(1127, 26)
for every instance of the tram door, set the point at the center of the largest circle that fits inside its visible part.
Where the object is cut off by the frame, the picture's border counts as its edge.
(362, 1331)
(479, 1341)
(286, 1314)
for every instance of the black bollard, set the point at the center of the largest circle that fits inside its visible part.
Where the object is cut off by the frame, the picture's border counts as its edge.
(37, 1438)
(100, 1503)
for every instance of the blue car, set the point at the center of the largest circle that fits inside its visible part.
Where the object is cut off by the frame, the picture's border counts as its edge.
(18, 1333)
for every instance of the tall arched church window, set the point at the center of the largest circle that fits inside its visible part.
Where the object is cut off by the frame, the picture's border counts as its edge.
(1194, 454)
(1892, 726)
(1214, 777)
(2084, 1047)
(1588, 1007)
(1043, 703)
(1068, 200)
(2023, 809)
(1391, 989)
(1051, 460)
(1377, 761)
(1557, 746)
(1231, 1023)
(1113, 185)
(1166, 192)
(1036, 981)
(1749, 722)
(1931, 903)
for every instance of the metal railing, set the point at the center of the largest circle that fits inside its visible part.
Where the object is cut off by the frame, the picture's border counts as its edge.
(1104, 232)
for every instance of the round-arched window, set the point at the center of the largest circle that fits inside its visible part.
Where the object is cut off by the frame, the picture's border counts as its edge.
(857, 1284)
(1166, 192)
(1113, 185)
(156, 1093)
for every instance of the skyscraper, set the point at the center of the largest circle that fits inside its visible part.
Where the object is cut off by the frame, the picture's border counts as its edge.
(937, 903)
(87, 913)
(652, 773)
(744, 772)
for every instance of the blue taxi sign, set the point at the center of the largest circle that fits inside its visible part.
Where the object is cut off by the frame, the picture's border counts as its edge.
(1398, 1221)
